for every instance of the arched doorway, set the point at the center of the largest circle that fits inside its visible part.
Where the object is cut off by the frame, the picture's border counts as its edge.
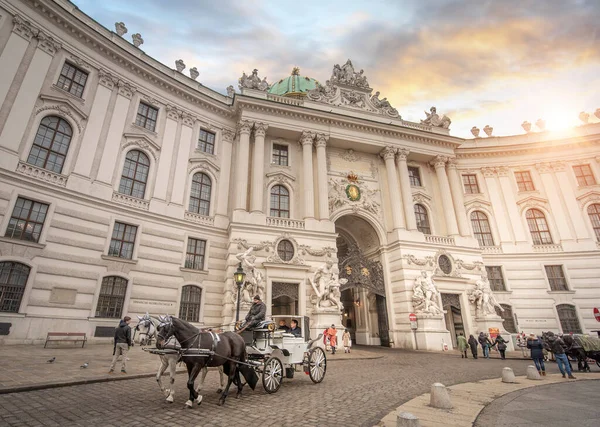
(363, 295)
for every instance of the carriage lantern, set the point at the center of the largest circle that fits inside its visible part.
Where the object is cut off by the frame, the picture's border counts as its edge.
(239, 276)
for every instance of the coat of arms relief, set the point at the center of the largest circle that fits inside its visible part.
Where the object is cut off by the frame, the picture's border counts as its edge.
(353, 191)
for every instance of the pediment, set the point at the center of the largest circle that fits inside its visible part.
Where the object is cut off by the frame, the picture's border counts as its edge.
(141, 139)
(590, 196)
(477, 203)
(281, 175)
(532, 200)
(66, 103)
(419, 196)
(203, 164)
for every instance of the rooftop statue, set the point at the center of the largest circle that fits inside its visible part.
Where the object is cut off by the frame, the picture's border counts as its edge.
(347, 76)
(433, 119)
(253, 82)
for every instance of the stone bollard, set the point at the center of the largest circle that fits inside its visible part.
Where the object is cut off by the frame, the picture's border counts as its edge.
(508, 376)
(532, 373)
(440, 397)
(406, 419)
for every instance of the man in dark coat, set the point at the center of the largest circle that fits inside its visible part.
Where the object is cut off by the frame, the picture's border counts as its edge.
(256, 314)
(122, 344)
(557, 346)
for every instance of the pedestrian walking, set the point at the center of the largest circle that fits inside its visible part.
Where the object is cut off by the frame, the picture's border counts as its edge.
(473, 344)
(501, 342)
(537, 353)
(463, 345)
(346, 341)
(557, 346)
(332, 334)
(485, 343)
(122, 344)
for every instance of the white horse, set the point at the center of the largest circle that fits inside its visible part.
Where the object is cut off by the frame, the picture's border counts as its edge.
(147, 329)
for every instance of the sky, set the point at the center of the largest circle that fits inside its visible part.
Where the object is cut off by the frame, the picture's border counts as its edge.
(480, 62)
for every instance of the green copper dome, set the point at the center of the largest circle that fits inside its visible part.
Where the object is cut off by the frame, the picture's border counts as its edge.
(294, 86)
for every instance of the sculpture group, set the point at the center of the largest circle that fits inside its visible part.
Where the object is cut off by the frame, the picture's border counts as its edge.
(433, 119)
(254, 284)
(253, 82)
(426, 297)
(326, 283)
(483, 297)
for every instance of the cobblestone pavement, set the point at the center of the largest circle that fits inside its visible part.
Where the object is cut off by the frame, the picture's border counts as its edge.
(354, 392)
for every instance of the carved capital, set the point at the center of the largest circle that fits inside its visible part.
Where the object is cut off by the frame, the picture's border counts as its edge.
(107, 79)
(388, 153)
(402, 154)
(321, 140)
(126, 89)
(47, 44)
(558, 166)
(228, 135)
(188, 119)
(306, 138)
(260, 129)
(24, 28)
(245, 127)
(502, 171)
(439, 162)
(173, 112)
(452, 163)
(488, 172)
(543, 167)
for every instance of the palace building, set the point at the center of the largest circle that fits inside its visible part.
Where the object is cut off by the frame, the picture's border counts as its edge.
(128, 187)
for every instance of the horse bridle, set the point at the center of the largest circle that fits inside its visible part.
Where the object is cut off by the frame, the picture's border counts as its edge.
(147, 323)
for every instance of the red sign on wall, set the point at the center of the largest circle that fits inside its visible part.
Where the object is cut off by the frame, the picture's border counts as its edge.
(597, 314)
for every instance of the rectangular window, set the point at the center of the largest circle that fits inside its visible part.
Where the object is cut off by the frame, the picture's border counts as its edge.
(556, 277)
(584, 175)
(27, 220)
(495, 278)
(206, 141)
(146, 116)
(194, 257)
(123, 240)
(524, 181)
(72, 79)
(414, 176)
(280, 155)
(470, 183)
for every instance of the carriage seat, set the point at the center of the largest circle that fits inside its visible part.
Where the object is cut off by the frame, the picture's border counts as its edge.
(264, 325)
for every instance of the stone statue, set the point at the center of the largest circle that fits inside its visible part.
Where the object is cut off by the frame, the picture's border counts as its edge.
(483, 297)
(326, 283)
(179, 65)
(254, 279)
(426, 297)
(230, 91)
(347, 76)
(263, 85)
(194, 73)
(121, 28)
(253, 82)
(137, 39)
(433, 119)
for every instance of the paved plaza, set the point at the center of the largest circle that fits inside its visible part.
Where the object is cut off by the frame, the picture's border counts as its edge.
(357, 390)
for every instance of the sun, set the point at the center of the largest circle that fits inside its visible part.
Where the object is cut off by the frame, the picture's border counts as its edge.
(559, 119)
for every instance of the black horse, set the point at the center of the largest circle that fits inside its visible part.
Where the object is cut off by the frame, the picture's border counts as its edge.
(576, 351)
(200, 349)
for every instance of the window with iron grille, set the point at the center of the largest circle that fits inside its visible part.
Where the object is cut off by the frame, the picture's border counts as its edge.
(13, 278)
(584, 175)
(135, 174)
(556, 277)
(538, 227)
(206, 141)
(194, 256)
(200, 194)
(495, 278)
(112, 297)
(482, 229)
(470, 183)
(422, 219)
(569, 322)
(524, 181)
(280, 155)
(146, 116)
(27, 220)
(51, 144)
(189, 308)
(594, 213)
(122, 241)
(280, 202)
(285, 250)
(508, 318)
(72, 79)
(414, 176)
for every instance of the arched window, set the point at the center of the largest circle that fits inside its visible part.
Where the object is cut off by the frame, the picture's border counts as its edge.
(112, 297)
(481, 228)
(13, 278)
(538, 226)
(569, 322)
(51, 144)
(189, 309)
(594, 213)
(135, 174)
(280, 202)
(508, 318)
(200, 194)
(422, 219)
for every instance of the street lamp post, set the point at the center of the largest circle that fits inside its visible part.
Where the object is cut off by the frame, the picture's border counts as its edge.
(239, 276)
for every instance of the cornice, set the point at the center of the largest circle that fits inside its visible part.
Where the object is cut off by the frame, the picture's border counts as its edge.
(528, 148)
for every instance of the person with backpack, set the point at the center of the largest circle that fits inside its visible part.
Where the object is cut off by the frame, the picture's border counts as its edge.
(537, 353)
(122, 344)
(501, 342)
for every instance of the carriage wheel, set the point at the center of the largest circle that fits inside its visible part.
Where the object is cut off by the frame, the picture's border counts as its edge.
(317, 365)
(272, 375)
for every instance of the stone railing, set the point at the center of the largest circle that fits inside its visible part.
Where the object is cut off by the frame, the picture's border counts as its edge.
(200, 219)
(440, 240)
(131, 201)
(491, 250)
(285, 223)
(548, 248)
(285, 100)
(42, 174)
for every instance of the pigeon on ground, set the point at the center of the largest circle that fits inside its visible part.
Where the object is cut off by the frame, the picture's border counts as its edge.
(52, 360)
(85, 365)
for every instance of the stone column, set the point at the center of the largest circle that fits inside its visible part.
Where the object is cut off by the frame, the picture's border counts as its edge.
(13, 53)
(407, 200)
(166, 153)
(498, 206)
(183, 158)
(506, 184)
(115, 133)
(242, 159)
(19, 115)
(440, 170)
(306, 140)
(322, 179)
(227, 137)
(458, 198)
(388, 154)
(258, 167)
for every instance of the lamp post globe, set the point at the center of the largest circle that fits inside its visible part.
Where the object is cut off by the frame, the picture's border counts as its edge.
(239, 277)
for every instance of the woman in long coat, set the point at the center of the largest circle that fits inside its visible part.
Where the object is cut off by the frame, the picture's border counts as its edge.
(462, 345)
(473, 345)
(537, 353)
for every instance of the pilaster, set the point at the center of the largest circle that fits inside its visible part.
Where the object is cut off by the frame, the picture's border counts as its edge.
(183, 158)
(306, 140)
(242, 159)
(439, 164)
(498, 206)
(258, 167)
(458, 198)
(322, 183)
(388, 154)
(407, 198)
